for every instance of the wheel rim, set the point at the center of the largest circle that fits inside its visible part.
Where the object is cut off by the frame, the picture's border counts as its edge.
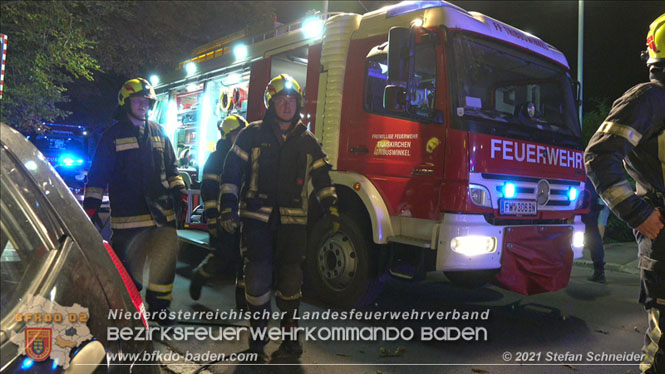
(337, 261)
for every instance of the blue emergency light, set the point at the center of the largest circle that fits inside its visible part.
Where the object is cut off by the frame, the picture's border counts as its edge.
(509, 190)
(572, 194)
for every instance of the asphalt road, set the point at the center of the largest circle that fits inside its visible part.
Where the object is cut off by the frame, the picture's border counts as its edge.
(567, 331)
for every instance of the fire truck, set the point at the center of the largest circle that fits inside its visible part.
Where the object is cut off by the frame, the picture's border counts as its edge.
(454, 140)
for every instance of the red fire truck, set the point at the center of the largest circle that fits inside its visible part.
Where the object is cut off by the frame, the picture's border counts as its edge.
(454, 139)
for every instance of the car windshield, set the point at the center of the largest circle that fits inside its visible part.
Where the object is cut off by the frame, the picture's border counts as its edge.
(498, 84)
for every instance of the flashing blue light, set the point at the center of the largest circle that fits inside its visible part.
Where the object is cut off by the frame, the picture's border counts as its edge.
(79, 161)
(412, 6)
(67, 161)
(55, 364)
(27, 363)
(288, 85)
(509, 190)
(572, 194)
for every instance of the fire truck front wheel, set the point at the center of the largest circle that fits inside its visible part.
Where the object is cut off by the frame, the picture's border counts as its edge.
(341, 267)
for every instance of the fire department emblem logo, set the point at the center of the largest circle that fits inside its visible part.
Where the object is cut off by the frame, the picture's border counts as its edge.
(38, 343)
(543, 192)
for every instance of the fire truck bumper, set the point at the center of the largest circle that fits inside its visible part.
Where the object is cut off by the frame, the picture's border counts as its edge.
(468, 242)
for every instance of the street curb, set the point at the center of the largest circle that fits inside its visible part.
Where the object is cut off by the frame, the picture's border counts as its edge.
(630, 268)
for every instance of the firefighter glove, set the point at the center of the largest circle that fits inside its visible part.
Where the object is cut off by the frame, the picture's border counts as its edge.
(229, 220)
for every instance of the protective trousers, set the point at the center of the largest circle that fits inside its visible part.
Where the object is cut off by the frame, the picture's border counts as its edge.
(225, 249)
(160, 244)
(274, 254)
(592, 239)
(652, 296)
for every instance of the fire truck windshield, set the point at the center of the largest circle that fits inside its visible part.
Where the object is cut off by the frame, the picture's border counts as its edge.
(519, 92)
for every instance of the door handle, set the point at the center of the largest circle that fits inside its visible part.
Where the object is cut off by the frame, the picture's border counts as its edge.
(359, 149)
(422, 171)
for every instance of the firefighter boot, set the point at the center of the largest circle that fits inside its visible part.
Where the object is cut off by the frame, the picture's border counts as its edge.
(158, 307)
(258, 337)
(290, 347)
(241, 301)
(201, 274)
(598, 275)
(257, 343)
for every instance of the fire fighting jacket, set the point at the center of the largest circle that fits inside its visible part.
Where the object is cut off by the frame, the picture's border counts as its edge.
(139, 167)
(275, 169)
(212, 177)
(632, 135)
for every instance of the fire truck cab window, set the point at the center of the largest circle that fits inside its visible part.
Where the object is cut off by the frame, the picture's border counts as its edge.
(423, 82)
(497, 84)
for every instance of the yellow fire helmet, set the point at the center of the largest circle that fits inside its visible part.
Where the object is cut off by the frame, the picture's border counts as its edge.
(137, 87)
(232, 123)
(656, 41)
(281, 83)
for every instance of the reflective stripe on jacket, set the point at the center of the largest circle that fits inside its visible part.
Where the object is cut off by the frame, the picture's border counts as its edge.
(118, 164)
(273, 170)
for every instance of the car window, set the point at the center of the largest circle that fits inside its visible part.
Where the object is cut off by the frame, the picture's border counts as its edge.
(30, 234)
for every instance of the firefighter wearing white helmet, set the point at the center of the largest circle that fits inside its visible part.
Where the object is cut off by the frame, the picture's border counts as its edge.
(265, 183)
(633, 134)
(225, 247)
(135, 160)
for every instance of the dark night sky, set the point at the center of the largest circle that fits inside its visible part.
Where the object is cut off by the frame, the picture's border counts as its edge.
(615, 33)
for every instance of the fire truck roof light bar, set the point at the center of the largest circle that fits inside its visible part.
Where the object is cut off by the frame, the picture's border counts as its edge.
(406, 7)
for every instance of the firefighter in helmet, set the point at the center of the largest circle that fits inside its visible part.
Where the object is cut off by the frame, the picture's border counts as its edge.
(225, 246)
(135, 160)
(265, 183)
(633, 134)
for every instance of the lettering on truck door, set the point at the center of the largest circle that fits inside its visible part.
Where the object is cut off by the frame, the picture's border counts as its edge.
(402, 153)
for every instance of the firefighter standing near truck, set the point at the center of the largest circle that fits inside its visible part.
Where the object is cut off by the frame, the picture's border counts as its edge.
(268, 170)
(136, 161)
(633, 135)
(225, 246)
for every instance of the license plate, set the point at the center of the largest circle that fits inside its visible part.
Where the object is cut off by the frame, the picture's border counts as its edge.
(518, 207)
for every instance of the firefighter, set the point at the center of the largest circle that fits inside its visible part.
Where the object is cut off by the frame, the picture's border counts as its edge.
(633, 134)
(593, 239)
(268, 170)
(135, 159)
(224, 246)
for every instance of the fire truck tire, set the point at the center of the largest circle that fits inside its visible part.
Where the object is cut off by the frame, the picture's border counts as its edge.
(341, 268)
(471, 279)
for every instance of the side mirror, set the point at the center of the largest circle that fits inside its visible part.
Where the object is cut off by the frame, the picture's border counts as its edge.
(394, 98)
(398, 54)
(577, 87)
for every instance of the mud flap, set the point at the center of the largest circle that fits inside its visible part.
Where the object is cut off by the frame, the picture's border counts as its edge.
(536, 259)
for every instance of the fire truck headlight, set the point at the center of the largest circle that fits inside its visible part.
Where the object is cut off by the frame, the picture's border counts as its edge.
(480, 196)
(473, 245)
(572, 194)
(578, 239)
(509, 190)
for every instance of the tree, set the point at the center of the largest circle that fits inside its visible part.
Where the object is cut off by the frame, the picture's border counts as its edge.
(151, 37)
(54, 45)
(592, 119)
(48, 46)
